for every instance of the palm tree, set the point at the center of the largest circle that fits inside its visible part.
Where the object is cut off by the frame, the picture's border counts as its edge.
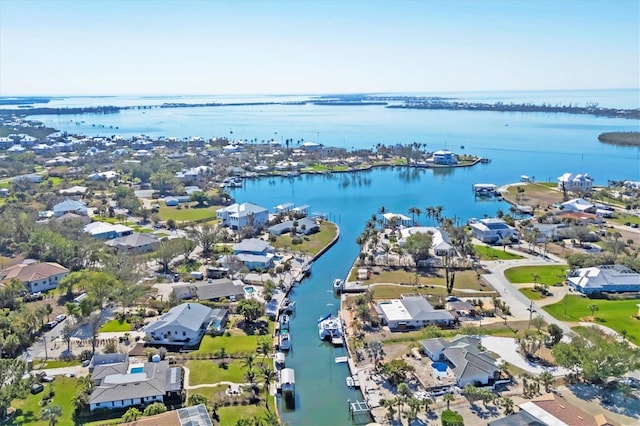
(507, 404)
(250, 376)
(448, 397)
(264, 348)
(413, 211)
(427, 404)
(248, 360)
(546, 379)
(593, 308)
(404, 393)
(389, 404)
(51, 414)
(268, 375)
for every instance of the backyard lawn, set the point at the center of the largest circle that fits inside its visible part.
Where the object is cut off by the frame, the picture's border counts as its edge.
(464, 279)
(186, 215)
(208, 371)
(28, 410)
(237, 342)
(229, 415)
(311, 244)
(547, 274)
(115, 325)
(615, 314)
(490, 253)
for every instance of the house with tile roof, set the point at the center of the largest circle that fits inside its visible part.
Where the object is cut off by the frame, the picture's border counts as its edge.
(553, 410)
(35, 276)
(183, 325)
(469, 364)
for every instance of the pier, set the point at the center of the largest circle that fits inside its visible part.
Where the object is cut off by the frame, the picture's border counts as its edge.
(353, 287)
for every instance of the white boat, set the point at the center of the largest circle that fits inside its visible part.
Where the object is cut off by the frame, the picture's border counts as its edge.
(289, 306)
(279, 360)
(331, 329)
(350, 382)
(337, 284)
(284, 341)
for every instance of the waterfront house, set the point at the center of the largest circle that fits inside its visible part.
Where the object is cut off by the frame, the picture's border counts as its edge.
(70, 206)
(493, 231)
(443, 157)
(283, 208)
(469, 364)
(135, 243)
(183, 325)
(237, 216)
(253, 253)
(605, 279)
(214, 290)
(192, 176)
(575, 182)
(410, 313)
(35, 276)
(441, 244)
(304, 226)
(401, 220)
(107, 359)
(124, 384)
(311, 146)
(552, 409)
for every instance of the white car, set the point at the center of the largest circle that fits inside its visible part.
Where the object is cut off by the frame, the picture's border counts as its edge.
(61, 317)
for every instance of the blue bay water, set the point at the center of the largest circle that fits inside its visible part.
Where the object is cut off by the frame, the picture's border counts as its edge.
(540, 145)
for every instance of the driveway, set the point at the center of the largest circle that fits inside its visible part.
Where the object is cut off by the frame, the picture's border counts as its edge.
(506, 348)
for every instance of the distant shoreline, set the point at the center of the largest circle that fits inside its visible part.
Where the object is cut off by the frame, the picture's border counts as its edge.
(620, 138)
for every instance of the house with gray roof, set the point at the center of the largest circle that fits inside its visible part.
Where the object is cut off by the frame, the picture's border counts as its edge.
(469, 364)
(412, 312)
(107, 359)
(605, 279)
(183, 325)
(123, 385)
(70, 206)
(215, 290)
(305, 226)
(492, 231)
(135, 243)
(252, 246)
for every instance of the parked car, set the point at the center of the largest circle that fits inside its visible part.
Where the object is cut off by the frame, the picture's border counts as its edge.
(51, 324)
(47, 379)
(634, 225)
(61, 317)
(33, 297)
(37, 388)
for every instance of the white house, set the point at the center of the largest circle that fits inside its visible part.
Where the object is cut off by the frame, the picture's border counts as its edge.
(441, 244)
(444, 157)
(578, 205)
(70, 206)
(575, 182)
(107, 231)
(108, 175)
(401, 220)
(192, 176)
(411, 313)
(605, 278)
(35, 276)
(183, 325)
(492, 231)
(237, 216)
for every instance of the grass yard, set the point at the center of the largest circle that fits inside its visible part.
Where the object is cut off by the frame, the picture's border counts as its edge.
(547, 274)
(208, 371)
(490, 253)
(622, 218)
(311, 244)
(534, 194)
(115, 325)
(464, 279)
(395, 291)
(615, 314)
(186, 215)
(56, 363)
(230, 415)
(237, 342)
(531, 295)
(28, 410)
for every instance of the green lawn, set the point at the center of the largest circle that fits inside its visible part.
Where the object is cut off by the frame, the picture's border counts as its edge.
(547, 274)
(622, 218)
(231, 414)
(28, 410)
(464, 279)
(56, 363)
(208, 371)
(186, 215)
(236, 343)
(490, 253)
(394, 291)
(311, 244)
(615, 314)
(532, 295)
(115, 325)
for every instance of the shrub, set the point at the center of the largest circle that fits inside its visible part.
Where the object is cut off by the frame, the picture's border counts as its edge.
(451, 418)
(155, 408)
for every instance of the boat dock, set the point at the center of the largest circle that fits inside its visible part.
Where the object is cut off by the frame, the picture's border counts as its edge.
(341, 359)
(353, 287)
(485, 189)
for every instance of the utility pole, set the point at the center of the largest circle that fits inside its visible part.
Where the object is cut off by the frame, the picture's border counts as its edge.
(531, 311)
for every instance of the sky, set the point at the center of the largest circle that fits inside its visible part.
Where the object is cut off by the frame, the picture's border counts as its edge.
(303, 47)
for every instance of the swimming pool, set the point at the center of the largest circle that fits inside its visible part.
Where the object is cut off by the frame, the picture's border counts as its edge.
(248, 289)
(136, 370)
(440, 366)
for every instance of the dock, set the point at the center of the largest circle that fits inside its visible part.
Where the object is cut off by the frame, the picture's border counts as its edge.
(353, 287)
(341, 359)
(485, 189)
(358, 408)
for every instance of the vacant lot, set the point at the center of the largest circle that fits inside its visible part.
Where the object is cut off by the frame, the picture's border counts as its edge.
(467, 279)
(550, 275)
(28, 410)
(615, 314)
(534, 195)
(311, 244)
(490, 253)
(186, 214)
(238, 342)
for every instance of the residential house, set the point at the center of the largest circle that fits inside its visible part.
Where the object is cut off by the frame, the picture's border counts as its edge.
(237, 216)
(304, 226)
(108, 175)
(410, 313)
(219, 319)
(213, 290)
(33, 177)
(311, 146)
(135, 243)
(196, 415)
(35, 276)
(253, 253)
(283, 208)
(469, 364)
(74, 190)
(123, 385)
(521, 418)
(301, 210)
(575, 182)
(493, 231)
(444, 157)
(554, 410)
(107, 359)
(107, 231)
(441, 244)
(605, 279)
(578, 205)
(192, 176)
(70, 206)
(183, 325)
(4, 192)
(400, 220)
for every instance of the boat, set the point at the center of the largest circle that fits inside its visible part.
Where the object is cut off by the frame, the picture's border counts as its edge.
(337, 284)
(288, 386)
(289, 306)
(284, 322)
(279, 360)
(324, 317)
(284, 341)
(350, 382)
(331, 329)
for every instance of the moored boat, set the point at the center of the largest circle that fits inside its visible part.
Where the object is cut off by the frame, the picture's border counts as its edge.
(337, 284)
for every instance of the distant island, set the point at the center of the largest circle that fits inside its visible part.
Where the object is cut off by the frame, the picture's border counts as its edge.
(620, 138)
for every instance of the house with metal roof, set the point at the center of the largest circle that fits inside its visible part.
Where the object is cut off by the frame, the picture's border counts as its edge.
(107, 231)
(214, 290)
(440, 242)
(411, 312)
(135, 243)
(575, 182)
(183, 325)
(605, 279)
(35, 276)
(492, 231)
(237, 216)
(123, 385)
(305, 226)
(469, 364)
(70, 206)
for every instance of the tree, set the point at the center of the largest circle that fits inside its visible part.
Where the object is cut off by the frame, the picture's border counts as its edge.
(167, 250)
(593, 308)
(155, 408)
(196, 399)
(448, 397)
(397, 370)
(131, 415)
(50, 414)
(268, 376)
(187, 247)
(264, 348)
(250, 309)
(538, 322)
(555, 333)
(507, 404)
(198, 197)
(389, 404)
(449, 272)
(546, 379)
(207, 237)
(94, 323)
(11, 371)
(418, 246)
(248, 360)
(404, 393)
